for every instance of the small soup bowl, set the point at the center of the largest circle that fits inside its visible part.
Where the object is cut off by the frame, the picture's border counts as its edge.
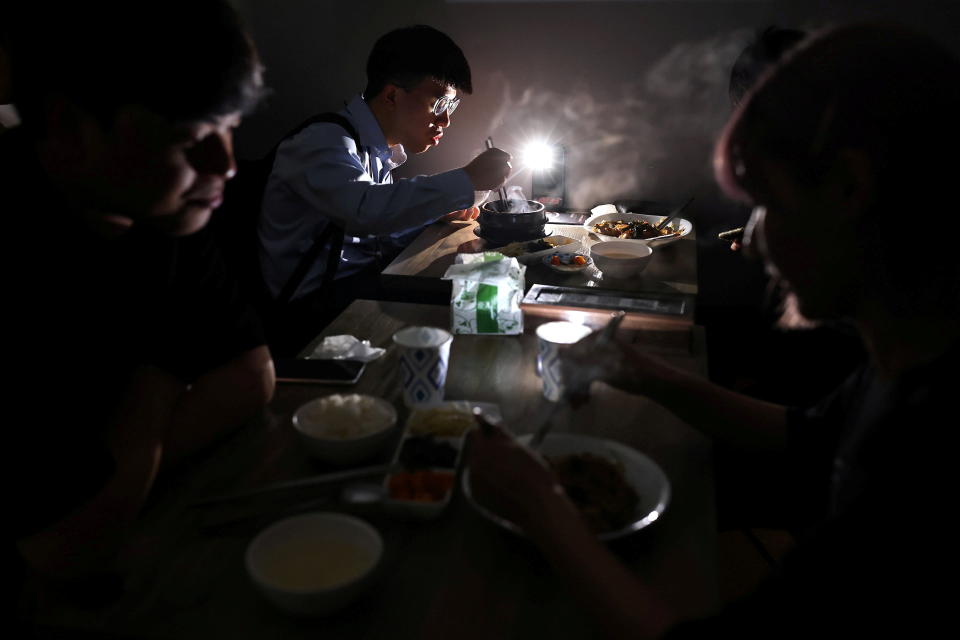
(620, 258)
(315, 563)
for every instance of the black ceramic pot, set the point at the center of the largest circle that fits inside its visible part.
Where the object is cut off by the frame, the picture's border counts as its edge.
(496, 226)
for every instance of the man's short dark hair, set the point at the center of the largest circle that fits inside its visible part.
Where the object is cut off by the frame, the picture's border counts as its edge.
(184, 59)
(407, 56)
(767, 48)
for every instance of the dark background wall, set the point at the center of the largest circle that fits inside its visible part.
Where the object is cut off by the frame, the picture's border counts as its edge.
(635, 90)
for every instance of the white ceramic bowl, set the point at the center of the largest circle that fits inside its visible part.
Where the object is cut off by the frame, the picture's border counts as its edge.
(621, 258)
(315, 563)
(680, 224)
(345, 429)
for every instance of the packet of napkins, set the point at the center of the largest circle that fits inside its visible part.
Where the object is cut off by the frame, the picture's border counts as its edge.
(345, 348)
(487, 290)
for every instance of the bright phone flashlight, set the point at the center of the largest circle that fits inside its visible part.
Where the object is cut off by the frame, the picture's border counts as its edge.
(539, 155)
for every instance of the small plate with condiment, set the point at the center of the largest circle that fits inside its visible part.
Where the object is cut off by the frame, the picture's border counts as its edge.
(574, 262)
(428, 457)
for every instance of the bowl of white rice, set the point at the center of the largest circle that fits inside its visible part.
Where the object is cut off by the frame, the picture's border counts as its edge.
(345, 428)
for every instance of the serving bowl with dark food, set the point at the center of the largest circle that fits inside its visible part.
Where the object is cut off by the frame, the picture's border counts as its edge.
(638, 227)
(617, 489)
(521, 222)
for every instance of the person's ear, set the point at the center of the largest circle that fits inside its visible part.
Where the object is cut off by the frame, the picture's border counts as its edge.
(856, 178)
(390, 95)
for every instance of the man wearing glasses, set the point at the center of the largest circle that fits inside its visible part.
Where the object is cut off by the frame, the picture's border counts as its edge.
(329, 174)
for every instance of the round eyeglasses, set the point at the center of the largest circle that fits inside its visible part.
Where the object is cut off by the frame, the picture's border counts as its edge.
(445, 103)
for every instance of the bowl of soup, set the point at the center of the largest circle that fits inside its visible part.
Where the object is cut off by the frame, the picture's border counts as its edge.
(315, 563)
(621, 258)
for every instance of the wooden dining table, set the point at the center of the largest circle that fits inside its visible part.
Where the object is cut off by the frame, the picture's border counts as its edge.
(456, 576)
(420, 267)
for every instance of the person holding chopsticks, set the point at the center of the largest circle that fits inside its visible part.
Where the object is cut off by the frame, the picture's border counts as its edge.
(847, 142)
(333, 176)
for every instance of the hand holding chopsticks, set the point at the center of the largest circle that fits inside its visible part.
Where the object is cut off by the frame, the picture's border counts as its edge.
(577, 389)
(503, 191)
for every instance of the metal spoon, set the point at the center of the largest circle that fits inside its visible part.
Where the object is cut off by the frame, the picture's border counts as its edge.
(673, 214)
(312, 481)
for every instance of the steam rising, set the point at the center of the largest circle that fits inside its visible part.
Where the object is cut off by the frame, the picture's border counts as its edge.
(516, 201)
(650, 138)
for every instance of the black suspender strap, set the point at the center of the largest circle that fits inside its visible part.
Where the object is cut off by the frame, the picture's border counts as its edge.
(332, 234)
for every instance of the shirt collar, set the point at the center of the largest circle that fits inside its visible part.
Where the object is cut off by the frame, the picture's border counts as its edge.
(371, 135)
(397, 156)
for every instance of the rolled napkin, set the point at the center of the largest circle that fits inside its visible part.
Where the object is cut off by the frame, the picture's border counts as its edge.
(345, 348)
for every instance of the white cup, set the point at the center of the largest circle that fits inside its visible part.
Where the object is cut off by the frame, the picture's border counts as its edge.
(552, 338)
(424, 355)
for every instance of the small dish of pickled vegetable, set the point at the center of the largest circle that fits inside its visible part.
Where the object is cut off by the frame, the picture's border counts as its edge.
(422, 485)
(568, 262)
(425, 464)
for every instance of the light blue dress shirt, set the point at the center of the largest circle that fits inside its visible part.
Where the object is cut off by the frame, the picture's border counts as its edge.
(319, 175)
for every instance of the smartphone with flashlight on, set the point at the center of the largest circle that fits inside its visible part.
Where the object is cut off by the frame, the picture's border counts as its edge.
(313, 371)
(556, 217)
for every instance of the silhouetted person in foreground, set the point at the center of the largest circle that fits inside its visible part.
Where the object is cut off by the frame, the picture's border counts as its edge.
(749, 350)
(849, 141)
(128, 347)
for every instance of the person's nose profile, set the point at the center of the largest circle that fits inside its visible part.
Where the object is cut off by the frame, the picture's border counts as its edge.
(443, 120)
(214, 155)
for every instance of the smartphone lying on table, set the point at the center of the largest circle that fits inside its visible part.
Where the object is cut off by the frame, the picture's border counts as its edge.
(312, 371)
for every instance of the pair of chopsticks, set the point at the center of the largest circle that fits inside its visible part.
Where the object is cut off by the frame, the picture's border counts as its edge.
(606, 335)
(312, 481)
(503, 190)
(673, 214)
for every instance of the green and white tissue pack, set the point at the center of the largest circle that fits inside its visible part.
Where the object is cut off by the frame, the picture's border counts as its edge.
(487, 290)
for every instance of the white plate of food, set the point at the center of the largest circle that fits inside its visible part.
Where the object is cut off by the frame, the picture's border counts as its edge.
(529, 251)
(617, 489)
(637, 227)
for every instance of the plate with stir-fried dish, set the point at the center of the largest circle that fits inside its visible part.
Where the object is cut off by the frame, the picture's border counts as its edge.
(636, 226)
(616, 489)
